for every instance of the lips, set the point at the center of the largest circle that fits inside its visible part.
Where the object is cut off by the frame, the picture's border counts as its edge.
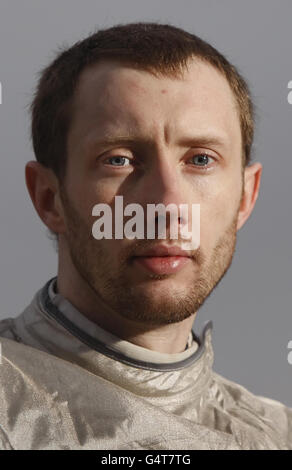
(163, 259)
(163, 250)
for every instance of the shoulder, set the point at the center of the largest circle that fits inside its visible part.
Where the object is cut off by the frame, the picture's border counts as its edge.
(7, 329)
(40, 389)
(258, 411)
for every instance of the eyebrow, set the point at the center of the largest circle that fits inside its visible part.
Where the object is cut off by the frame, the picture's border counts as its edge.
(187, 141)
(204, 139)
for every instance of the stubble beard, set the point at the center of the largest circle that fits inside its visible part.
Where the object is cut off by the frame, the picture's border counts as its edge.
(133, 302)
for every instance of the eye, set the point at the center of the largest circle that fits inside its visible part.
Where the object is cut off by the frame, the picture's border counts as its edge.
(203, 159)
(118, 160)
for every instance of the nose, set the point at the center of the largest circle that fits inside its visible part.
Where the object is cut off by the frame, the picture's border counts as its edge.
(164, 186)
(162, 182)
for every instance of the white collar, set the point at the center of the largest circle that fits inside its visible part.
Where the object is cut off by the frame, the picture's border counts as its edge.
(131, 350)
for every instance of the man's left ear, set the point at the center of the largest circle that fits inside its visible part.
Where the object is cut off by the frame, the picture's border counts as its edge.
(252, 179)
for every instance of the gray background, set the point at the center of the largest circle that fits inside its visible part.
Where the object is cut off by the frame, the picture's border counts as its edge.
(251, 308)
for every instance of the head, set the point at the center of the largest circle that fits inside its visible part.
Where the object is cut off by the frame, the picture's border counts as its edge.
(156, 98)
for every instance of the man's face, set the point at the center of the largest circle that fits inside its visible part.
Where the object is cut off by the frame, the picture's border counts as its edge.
(171, 122)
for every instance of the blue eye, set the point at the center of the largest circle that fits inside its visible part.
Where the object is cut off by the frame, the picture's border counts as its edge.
(204, 157)
(118, 159)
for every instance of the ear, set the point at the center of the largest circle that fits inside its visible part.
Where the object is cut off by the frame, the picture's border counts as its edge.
(43, 188)
(252, 179)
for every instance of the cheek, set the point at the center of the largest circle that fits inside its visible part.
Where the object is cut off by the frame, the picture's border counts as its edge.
(218, 211)
(86, 195)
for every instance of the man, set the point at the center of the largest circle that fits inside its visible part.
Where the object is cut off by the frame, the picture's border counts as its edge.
(104, 357)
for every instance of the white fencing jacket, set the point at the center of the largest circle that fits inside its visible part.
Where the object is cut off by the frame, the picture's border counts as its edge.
(65, 383)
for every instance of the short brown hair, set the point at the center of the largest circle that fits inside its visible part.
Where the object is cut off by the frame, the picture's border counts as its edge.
(158, 48)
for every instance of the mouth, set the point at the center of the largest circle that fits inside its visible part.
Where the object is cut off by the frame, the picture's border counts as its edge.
(162, 264)
(163, 259)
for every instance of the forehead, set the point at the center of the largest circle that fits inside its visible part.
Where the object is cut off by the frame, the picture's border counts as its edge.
(112, 97)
